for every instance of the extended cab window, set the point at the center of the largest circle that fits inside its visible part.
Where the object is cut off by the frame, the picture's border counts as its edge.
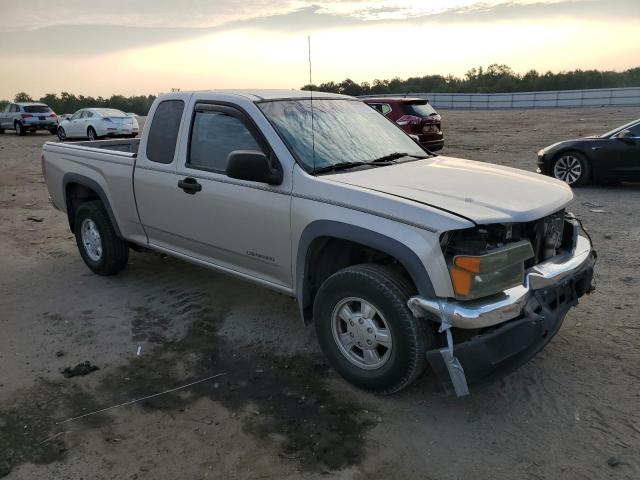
(215, 134)
(161, 144)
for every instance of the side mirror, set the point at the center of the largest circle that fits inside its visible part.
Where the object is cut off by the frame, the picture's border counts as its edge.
(252, 166)
(626, 136)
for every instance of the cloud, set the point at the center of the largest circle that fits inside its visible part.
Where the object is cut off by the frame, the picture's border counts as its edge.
(88, 39)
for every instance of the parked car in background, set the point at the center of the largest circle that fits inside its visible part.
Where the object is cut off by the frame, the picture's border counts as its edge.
(95, 123)
(416, 117)
(397, 256)
(609, 158)
(26, 117)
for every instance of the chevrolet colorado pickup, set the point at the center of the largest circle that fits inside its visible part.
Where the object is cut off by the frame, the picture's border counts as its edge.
(400, 258)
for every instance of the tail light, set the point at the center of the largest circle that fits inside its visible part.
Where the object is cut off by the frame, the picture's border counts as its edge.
(43, 166)
(409, 120)
(53, 115)
(26, 115)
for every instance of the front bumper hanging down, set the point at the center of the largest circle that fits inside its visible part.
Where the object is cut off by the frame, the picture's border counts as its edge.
(513, 325)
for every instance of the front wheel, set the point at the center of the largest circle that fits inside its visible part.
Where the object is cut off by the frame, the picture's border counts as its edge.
(62, 135)
(100, 247)
(572, 168)
(366, 330)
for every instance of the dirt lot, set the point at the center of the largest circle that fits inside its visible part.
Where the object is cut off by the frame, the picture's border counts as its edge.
(572, 412)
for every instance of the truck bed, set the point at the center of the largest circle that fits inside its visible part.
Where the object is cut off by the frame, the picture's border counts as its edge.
(128, 145)
(104, 166)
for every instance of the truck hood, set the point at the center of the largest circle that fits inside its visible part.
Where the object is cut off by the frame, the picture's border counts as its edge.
(481, 192)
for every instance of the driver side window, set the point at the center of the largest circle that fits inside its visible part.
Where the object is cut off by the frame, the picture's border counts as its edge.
(214, 135)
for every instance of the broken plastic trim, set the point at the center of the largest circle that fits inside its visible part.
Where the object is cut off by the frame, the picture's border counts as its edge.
(454, 367)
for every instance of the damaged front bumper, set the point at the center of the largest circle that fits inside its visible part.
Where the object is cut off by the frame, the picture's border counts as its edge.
(515, 324)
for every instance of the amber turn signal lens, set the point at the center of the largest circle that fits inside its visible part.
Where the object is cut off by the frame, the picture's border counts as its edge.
(470, 264)
(462, 281)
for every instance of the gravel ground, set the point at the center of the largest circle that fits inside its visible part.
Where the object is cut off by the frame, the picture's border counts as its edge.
(572, 412)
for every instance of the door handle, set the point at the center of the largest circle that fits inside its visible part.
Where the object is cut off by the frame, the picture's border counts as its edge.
(190, 185)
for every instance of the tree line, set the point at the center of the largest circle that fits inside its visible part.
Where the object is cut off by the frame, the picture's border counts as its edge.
(68, 103)
(493, 79)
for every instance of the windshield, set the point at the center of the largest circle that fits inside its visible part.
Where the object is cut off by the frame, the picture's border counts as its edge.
(37, 109)
(618, 129)
(344, 131)
(418, 109)
(110, 112)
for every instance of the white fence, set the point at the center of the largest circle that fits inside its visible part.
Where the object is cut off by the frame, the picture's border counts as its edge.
(601, 97)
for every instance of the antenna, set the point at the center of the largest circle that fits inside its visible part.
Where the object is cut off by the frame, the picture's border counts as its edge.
(313, 138)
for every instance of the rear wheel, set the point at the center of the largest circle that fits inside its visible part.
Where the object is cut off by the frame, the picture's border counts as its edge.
(20, 130)
(572, 168)
(62, 135)
(366, 330)
(91, 133)
(100, 247)
(53, 131)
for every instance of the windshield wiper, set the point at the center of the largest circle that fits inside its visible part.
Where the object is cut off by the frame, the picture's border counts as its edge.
(396, 156)
(376, 162)
(345, 165)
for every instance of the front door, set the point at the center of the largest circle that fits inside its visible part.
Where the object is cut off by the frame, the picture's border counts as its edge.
(622, 156)
(189, 206)
(74, 127)
(238, 225)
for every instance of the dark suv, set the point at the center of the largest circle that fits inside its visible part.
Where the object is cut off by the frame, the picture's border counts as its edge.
(416, 117)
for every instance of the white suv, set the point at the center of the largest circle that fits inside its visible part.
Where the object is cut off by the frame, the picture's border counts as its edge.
(26, 117)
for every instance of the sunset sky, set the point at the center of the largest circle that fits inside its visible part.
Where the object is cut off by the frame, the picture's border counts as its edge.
(150, 46)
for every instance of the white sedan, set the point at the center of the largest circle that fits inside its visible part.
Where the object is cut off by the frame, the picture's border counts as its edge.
(96, 123)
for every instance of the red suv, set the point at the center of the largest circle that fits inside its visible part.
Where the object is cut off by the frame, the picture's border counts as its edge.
(416, 117)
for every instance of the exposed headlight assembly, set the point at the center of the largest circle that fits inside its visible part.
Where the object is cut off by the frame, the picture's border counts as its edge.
(475, 276)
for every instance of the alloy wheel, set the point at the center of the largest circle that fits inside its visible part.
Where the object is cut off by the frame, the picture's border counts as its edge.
(568, 169)
(361, 333)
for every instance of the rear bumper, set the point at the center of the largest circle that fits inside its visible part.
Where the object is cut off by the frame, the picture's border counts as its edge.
(39, 124)
(433, 145)
(512, 327)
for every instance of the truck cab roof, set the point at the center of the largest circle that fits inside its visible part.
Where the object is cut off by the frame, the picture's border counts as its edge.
(274, 94)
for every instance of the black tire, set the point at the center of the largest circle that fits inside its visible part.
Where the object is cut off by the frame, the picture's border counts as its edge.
(53, 131)
(20, 130)
(564, 160)
(387, 292)
(91, 133)
(62, 135)
(114, 251)
(1, 130)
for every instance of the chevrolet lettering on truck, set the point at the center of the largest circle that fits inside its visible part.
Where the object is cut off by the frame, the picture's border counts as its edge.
(404, 261)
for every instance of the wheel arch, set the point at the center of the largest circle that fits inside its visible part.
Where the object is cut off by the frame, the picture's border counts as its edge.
(322, 238)
(79, 189)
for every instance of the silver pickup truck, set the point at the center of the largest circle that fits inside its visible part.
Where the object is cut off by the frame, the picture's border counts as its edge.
(400, 258)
